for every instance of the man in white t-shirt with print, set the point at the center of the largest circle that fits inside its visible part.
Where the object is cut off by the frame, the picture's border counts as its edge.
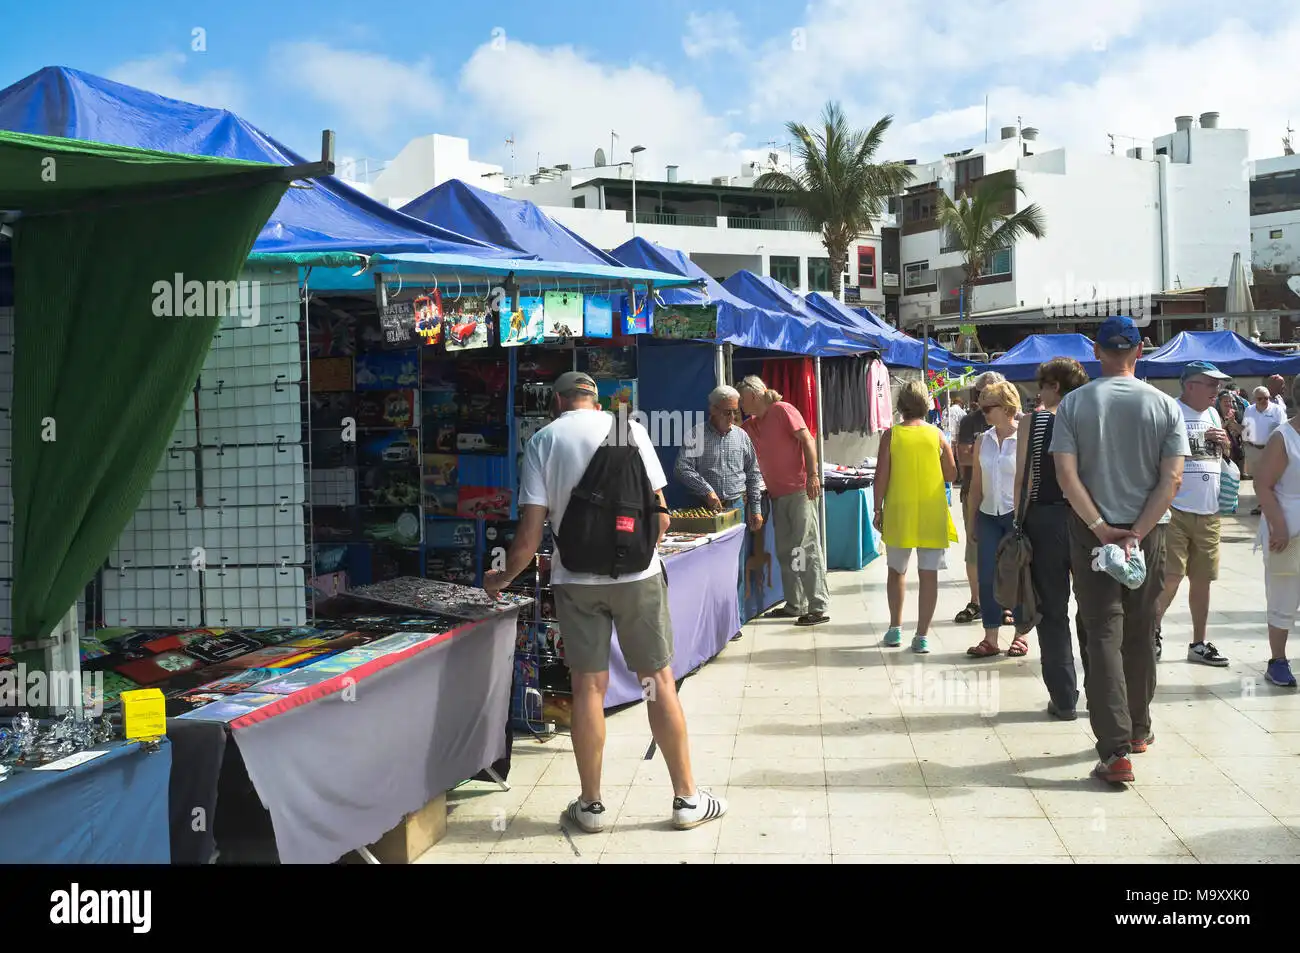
(1192, 543)
(588, 607)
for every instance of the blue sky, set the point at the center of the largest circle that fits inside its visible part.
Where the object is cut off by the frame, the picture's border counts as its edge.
(703, 85)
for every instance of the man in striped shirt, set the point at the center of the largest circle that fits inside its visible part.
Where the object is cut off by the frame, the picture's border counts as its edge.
(719, 464)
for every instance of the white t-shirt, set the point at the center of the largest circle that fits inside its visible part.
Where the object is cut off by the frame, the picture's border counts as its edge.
(1259, 425)
(555, 460)
(1203, 469)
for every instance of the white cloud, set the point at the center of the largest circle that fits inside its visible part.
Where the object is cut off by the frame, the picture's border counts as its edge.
(1076, 71)
(558, 103)
(162, 75)
(711, 33)
(370, 91)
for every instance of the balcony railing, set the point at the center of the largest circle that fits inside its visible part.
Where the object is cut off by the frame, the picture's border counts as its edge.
(773, 224)
(663, 218)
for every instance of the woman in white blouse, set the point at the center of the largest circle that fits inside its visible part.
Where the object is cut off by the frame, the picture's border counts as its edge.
(993, 486)
(1261, 419)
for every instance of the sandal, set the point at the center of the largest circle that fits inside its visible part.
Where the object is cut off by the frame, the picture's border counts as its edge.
(969, 614)
(983, 650)
(1019, 648)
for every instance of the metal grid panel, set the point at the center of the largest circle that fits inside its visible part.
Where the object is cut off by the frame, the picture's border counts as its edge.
(6, 464)
(152, 597)
(231, 494)
(255, 597)
(334, 487)
(253, 476)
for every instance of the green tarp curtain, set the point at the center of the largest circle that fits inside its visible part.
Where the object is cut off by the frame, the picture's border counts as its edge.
(99, 379)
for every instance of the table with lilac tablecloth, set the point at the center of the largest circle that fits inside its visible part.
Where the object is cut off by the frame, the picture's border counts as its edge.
(703, 605)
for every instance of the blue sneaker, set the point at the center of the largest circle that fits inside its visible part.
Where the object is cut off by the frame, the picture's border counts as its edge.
(1279, 673)
(921, 645)
(894, 637)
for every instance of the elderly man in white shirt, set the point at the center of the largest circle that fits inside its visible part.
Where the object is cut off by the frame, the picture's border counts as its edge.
(1262, 417)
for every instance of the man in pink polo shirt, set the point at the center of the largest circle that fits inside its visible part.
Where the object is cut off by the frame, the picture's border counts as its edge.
(787, 458)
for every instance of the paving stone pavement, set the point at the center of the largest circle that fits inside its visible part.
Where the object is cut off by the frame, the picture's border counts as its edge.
(833, 749)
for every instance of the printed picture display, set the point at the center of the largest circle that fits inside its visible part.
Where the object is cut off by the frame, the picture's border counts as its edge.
(329, 409)
(523, 321)
(330, 373)
(440, 402)
(616, 395)
(397, 319)
(687, 322)
(597, 317)
(428, 318)
(387, 410)
(390, 486)
(391, 524)
(389, 562)
(543, 364)
(451, 565)
(440, 469)
(331, 334)
(334, 524)
(231, 707)
(615, 362)
(384, 370)
(330, 451)
(467, 325)
(394, 447)
(485, 502)
(450, 533)
(562, 313)
(637, 311)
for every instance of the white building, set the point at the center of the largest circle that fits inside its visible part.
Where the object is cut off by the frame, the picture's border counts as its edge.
(1121, 228)
(1275, 215)
(724, 224)
(423, 164)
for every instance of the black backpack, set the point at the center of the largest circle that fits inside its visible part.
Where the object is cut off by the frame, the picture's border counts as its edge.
(611, 524)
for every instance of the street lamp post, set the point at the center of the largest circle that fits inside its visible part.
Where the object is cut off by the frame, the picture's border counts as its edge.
(635, 150)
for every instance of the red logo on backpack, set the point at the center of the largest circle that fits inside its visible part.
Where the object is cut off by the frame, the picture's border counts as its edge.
(625, 524)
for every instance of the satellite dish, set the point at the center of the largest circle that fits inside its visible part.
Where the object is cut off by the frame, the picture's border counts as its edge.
(600, 158)
(1294, 284)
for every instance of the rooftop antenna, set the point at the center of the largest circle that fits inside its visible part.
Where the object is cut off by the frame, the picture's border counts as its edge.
(1286, 140)
(511, 143)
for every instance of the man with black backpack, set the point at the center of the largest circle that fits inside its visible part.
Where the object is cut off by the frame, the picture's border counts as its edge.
(596, 477)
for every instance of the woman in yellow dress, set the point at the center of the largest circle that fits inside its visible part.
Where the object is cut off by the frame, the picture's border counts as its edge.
(914, 464)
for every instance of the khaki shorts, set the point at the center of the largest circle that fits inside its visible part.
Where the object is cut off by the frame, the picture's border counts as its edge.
(639, 610)
(1192, 545)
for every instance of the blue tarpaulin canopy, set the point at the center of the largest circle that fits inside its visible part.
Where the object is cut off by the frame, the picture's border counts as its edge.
(824, 338)
(326, 217)
(1021, 362)
(740, 322)
(1226, 350)
(505, 222)
(907, 351)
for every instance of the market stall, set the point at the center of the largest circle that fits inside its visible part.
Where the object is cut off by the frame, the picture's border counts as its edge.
(1021, 363)
(1226, 350)
(106, 804)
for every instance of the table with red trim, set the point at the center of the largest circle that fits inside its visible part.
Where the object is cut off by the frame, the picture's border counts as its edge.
(340, 763)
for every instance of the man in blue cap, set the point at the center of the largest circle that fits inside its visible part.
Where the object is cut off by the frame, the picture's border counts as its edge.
(1119, 446)
(1192, 540)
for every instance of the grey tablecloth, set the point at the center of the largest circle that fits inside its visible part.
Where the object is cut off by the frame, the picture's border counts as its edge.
(340, 772)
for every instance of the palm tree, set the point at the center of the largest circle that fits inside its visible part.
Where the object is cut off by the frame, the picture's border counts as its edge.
(980, 225)
(836, 185)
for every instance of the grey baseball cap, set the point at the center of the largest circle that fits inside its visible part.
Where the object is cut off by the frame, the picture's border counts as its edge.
(574, 382)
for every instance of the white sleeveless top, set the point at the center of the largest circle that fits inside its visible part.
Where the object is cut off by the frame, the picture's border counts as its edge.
(1287, 488)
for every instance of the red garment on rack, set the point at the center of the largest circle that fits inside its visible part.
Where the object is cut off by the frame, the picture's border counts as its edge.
(796, 381)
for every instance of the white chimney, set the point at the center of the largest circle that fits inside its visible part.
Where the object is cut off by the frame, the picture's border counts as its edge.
(1209, 120)
(1182, 123)
(1008, 132)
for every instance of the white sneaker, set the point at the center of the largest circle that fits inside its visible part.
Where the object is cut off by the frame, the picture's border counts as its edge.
(700, 809)
(590, 817)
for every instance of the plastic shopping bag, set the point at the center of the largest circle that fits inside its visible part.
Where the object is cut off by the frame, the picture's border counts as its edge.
(1130, 571)
(1229, 488)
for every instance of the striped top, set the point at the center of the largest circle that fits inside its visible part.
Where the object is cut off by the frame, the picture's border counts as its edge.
(1043, 487)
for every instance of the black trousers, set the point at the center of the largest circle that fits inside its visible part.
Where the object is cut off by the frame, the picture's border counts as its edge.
(1120, 636)
(1048, 529)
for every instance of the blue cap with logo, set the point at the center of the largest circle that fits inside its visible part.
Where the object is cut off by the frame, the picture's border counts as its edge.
(1119, 334)
(1203, 369)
